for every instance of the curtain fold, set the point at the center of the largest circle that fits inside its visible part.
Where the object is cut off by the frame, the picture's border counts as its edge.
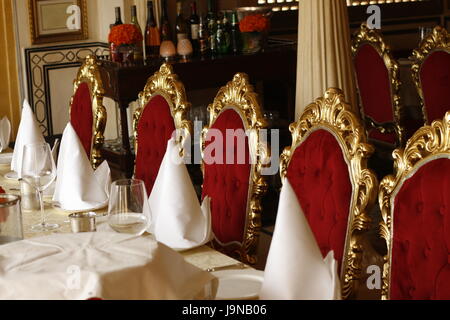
(324, 52)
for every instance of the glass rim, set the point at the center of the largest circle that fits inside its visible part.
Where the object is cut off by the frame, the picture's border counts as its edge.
(12, 200)
(128, 182)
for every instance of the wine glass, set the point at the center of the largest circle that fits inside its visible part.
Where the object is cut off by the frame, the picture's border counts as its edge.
(128, 210)
(39, 171)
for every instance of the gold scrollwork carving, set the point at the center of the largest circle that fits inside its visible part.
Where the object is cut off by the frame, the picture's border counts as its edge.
(334, 114)
(438, 40)
(426, 143)
(89, 73)
(239, 95)
(363, 36)
(165, 83)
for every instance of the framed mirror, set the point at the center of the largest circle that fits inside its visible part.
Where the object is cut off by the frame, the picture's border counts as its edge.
(57, 20)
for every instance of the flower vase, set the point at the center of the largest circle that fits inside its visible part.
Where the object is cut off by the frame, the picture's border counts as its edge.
(115, 54)
(252, 42)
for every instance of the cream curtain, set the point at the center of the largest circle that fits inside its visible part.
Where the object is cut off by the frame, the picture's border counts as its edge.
(324, 55)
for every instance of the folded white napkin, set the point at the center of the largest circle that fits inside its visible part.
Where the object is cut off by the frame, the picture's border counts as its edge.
(295, 268)
(107, 265)
(178, 220)
(29, 133)
(5, 133)
(78, 187)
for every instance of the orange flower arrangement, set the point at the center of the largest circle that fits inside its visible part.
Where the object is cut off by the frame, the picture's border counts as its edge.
(254, 22)
(124, 34)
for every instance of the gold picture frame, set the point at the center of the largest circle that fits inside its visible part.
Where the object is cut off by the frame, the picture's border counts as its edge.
(57, 21)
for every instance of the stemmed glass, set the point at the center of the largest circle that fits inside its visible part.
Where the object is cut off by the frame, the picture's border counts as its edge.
(128, 210)
(39, 171)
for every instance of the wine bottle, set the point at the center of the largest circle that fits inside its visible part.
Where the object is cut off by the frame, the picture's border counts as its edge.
(211, 21)
(203, 38)
(222, 38)
(118, 17)
(166, 33)
(139, 51)
(194, 22)
(235, 34)
(152, 37)
(180, 27)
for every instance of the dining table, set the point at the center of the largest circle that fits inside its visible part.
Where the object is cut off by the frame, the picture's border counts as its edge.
(203, 257)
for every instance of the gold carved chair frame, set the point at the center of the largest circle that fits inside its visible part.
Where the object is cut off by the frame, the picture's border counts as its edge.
(239, 96)
(166, 84)
(89, 73)
(372, 37)
(438, 40)
(427, 144)
(333, 114)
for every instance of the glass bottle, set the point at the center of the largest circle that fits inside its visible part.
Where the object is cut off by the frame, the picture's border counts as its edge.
(235, 34)
(212, 28)
(180, 26)
(152, 37)
(139, 50)
(203, 37)
(222, 38)
(118, 17)
(194, 23)
(166, 33)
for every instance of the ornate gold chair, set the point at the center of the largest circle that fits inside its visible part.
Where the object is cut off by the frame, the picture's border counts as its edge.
(163, 108)
(235, 187)
(377, 75)
(327, 168)
(415, 207)
(87, 113)
(431, 74)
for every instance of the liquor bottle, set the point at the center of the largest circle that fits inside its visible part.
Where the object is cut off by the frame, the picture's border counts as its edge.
(212, 28)
(118, 17)
(166, 33)
(152, 38)
(222, 38)
(235, 35)
(194, 22)
(203, 37)
(139, 51)
(180, 27)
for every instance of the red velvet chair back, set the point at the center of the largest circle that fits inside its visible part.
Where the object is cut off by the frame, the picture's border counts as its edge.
(431, 74)
(87, 113)
(234, 188)
(154, 129)
(415, 206)
(162, 112)
(378, 85)
(326, 166)
(435, 81)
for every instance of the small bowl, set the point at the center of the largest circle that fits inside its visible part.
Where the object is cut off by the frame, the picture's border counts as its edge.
(83, 222)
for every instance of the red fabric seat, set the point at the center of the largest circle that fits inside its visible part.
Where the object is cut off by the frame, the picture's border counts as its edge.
(81, 116)
(435, 82)
(227, 184)
(320, 178)
(421, 235)
(154, 129)
(375, 90)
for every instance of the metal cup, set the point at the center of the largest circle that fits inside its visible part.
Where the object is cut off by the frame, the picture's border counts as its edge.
(82, 222)
(10, 219)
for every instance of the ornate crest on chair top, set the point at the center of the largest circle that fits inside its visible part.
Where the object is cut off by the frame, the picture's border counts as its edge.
(333, 114)
(438, 40)
(89, 73)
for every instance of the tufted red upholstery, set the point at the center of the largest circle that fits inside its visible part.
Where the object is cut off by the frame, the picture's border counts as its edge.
(435, 81)
(227, 184)
(81, 116)
(320, 178)
(421, 236)
(375, 89)
(154, 129)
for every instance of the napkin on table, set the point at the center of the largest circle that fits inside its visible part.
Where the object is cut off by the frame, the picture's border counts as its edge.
(78, 186)
(178, 220)
(295, 268)
(29, 133)
(106, 265)
(5, 133)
